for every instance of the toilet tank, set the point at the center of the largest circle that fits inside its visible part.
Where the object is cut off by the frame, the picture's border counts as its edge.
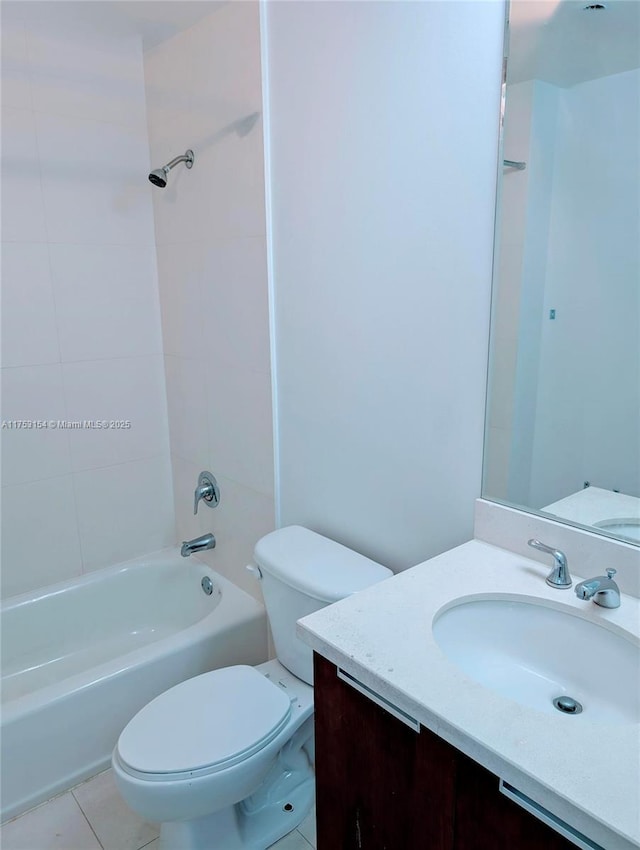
(301, 572)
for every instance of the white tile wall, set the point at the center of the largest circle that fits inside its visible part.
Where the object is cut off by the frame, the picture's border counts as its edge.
(16, 85)
(181, 281)
(188, 423)
(30, 454)
(106, 300)
(40, 540)
(235, 301)
(22, 204)
(210, 225)
(124, 510)
(29, 331)
(96, 79)
(240, 425)
(93, 181)
(128, 389)
(81, 318)
(242, 517)
(83, 286)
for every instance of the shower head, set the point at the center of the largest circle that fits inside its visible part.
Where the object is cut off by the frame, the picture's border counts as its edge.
(159, 176)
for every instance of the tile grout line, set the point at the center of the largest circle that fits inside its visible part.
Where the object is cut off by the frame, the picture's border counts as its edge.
(87, 819)
(304, 838)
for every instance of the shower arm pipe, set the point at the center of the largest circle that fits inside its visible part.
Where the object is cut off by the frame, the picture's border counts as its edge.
(510, 163)
(185, 157)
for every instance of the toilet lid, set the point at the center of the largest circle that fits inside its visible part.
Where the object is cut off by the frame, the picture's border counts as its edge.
(206, 723)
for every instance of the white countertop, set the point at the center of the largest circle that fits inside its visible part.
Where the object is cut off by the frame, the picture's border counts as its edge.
(587, 774)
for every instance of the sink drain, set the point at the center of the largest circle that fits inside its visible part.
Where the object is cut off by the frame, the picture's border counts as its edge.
(567, 705)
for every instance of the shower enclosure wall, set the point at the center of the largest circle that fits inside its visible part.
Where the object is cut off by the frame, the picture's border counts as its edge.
(112, 308)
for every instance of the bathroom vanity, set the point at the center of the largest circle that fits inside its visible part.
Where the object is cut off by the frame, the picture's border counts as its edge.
(382, 784)
(414, 749)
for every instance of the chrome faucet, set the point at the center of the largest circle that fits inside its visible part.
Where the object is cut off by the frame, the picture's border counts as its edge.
(602, 590)
(559, 576)
(207, 491)
(198, 544)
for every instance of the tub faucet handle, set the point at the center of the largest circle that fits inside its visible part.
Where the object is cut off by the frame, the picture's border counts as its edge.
(207, 490)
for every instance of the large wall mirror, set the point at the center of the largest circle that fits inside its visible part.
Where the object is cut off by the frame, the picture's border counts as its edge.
(563, 415)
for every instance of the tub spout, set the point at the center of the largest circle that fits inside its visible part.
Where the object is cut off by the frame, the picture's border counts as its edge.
(198, 544)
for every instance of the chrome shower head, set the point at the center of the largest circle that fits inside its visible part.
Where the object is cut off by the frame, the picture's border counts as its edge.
(159, 176)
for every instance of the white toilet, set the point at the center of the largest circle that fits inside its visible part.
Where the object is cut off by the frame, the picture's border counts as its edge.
(224, 761)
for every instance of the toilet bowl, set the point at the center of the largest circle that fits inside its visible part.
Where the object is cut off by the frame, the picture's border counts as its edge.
(224, 761)
(238, 735)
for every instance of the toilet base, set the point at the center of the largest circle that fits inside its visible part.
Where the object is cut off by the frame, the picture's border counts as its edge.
(279, 804)
(235, 829)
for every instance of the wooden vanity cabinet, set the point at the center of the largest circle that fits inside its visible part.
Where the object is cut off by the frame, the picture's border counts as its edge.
(382, 786)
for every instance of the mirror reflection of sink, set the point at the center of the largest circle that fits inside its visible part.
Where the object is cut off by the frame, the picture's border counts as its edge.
(533, 654)
(626, 527)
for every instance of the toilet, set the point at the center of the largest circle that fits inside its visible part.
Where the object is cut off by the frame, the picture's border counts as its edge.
(224, 761)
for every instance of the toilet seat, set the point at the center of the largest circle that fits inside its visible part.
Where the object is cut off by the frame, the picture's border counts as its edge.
(203, 725)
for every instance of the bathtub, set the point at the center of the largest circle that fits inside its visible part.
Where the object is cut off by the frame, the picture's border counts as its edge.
(80, 658)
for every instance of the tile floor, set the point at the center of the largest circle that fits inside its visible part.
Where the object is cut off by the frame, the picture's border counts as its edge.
(92, 816)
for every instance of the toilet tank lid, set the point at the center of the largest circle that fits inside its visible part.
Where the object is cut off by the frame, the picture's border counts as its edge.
(315, 565)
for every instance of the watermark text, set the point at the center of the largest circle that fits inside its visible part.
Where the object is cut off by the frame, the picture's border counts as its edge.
(66, 424)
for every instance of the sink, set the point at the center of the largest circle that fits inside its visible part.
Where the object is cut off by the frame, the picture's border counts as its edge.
(534, 653)
(626, 527)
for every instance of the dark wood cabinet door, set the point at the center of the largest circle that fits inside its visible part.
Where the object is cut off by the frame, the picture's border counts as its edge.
(382, 786)
(379, 784)
(485, 818)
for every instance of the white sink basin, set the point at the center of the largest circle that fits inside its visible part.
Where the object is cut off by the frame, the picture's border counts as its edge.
(627, 527)
(533, 653)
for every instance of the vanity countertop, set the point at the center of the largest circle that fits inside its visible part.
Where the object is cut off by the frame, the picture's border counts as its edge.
(588, 774)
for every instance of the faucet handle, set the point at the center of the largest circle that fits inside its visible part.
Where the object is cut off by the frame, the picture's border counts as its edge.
(611, 572)
(559, 576)
(208, 490)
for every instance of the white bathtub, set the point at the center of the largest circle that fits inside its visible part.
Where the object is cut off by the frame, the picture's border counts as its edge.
(81, 657)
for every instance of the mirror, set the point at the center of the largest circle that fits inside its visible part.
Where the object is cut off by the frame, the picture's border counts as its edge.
(562, 433)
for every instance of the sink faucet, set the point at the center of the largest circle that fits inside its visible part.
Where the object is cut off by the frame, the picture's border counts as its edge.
(198, 544)
(559, 576)
(602, 590)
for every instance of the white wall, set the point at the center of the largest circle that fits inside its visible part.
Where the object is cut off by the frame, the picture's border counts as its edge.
(202, 86)
(588, 404)
(80, 311)
(382, 139)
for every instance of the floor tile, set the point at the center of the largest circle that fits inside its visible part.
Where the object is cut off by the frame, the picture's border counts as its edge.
(56, 825)
(292, 841)
(117, 827)
(308, 827)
